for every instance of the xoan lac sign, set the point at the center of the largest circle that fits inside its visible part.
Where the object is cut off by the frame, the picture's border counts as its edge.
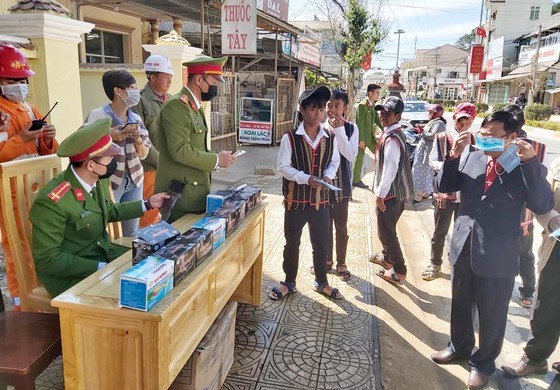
(239, 27)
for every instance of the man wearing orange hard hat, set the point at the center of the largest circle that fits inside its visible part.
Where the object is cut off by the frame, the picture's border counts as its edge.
(18, 139)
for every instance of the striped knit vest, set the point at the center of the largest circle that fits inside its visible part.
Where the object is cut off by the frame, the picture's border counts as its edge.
(313, 162)
(343, 177)
(401, 187)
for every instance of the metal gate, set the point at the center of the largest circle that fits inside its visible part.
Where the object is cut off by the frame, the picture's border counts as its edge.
(224, 114)
(284, 107)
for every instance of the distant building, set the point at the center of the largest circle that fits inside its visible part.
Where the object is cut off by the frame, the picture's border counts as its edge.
(331, 62)
(441, 71)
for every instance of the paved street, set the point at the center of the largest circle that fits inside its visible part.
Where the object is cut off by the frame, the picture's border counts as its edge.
(376, 338)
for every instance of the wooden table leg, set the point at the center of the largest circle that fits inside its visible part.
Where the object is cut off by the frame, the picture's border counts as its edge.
(24, 382)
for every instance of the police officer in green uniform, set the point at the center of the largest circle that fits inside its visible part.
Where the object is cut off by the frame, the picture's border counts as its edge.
(71, 213)
(368, 122)
(182, 131)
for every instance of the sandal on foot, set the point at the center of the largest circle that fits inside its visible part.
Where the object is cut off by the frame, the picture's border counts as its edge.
(320, 288)
(344, 275)
(380, 260)
(391, 276)
(526, 302)
(330, 269)
(431, 272)
(276, 293)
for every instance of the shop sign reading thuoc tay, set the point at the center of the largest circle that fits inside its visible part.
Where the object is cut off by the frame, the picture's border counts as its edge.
(239, 27)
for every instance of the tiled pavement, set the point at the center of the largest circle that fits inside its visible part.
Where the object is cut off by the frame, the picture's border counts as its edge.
(305, 341)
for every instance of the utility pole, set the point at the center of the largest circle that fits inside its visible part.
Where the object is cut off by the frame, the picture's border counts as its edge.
(535, 69)
(399, 32)
(415, 41)
(416, 86)
(435, 70)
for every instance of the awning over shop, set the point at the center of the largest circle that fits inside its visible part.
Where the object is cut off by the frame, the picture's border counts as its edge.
(526, 69)
(552, 91)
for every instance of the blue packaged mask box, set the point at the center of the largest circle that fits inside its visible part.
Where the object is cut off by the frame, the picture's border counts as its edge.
(145, 284)
(218, 227)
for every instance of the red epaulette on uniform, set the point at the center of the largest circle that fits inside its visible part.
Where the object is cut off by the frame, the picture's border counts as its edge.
(60, 190)
(185, 99)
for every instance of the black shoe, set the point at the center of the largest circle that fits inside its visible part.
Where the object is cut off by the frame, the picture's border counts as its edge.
(360, 184)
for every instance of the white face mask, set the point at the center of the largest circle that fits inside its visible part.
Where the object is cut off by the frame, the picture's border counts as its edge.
(15, 92)
(133, 97)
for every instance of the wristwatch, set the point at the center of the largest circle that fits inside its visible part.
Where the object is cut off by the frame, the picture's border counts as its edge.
(148, 204)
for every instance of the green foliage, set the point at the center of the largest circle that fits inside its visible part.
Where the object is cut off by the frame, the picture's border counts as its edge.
(481, 107)
(538, 112)
(549, 125)
(312, 80)
(498, 106)
(555, 8)
(438, 101)
(449, 103)
(465, 42)
(363, 35)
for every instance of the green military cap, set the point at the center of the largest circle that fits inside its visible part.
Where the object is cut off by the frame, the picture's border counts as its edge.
(206, 65)
(89, 141)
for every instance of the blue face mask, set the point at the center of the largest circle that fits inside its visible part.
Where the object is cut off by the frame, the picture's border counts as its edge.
(509, 160)
(489, 144)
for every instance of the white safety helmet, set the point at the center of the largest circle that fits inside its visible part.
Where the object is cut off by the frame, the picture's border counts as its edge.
(158, 63)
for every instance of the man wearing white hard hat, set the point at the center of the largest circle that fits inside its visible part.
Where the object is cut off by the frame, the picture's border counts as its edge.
(159, 73)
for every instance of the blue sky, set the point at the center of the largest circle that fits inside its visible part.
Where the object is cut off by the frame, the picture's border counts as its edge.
(433, 23)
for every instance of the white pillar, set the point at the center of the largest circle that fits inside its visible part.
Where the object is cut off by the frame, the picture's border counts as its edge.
(56, 66)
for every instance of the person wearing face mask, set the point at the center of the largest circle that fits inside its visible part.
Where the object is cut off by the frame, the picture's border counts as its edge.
(368, 122)
(128, 132)
(17, 141)
(152, 98)
(71, 213)
(183, 135)
(496, 182)
(446, 205)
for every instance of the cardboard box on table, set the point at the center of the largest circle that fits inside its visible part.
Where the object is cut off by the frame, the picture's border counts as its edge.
(151, 239)
(210, 363)
(182, 252)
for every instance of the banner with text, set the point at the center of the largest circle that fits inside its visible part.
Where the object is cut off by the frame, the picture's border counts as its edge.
(477, 59)
(239, 27)
(255, 132)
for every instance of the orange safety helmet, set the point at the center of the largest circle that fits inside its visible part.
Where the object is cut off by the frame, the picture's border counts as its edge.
(13, 63)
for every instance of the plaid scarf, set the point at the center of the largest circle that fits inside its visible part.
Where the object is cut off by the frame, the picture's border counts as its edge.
(127, 159)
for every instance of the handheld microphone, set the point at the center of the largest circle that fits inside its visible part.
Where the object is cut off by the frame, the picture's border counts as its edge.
(175, 190)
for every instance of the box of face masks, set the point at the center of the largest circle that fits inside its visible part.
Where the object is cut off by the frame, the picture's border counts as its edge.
(150, 239)
(218, 227)
(146, 283)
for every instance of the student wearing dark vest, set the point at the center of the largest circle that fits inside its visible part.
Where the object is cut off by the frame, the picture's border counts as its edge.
(346, 134)
(392, 185)
(306, 155)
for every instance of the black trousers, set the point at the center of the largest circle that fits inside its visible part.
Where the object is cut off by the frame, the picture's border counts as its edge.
(527, 264)
(338, 228)
(387, 233)
(318, 222)
(545, 324)
(442, 222)
(490, 296)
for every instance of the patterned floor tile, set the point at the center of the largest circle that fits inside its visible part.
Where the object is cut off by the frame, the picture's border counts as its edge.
(308, 309)
(292, 368)
(254, 333)
(346, 363)
(236, 384)
(248, 362)
(347, 317)
(305, 340)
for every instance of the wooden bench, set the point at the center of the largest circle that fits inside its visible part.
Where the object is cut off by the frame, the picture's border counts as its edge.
(29, 343)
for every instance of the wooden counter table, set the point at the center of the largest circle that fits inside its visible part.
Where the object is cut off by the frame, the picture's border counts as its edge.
(108, 347)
